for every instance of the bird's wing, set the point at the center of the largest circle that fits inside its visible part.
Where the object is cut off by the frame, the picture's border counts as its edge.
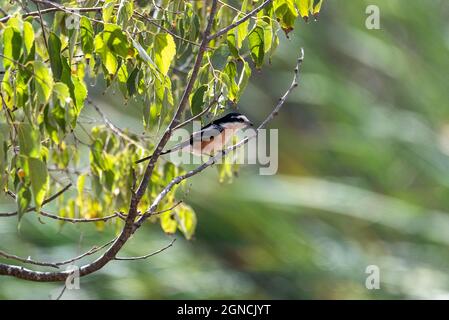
(205, 134)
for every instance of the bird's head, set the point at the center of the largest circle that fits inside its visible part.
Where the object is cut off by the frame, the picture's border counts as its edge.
(234, 120)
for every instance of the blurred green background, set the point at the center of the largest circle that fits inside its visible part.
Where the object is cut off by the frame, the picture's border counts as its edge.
(363, 179)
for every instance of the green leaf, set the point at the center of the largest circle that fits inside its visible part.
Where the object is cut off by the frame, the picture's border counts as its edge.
(268, 35)
(168, 222)
(87, 36)
(256, 45)
(131, 82)
(317, 6)
(115, 40)
(197, 100)
(80, 92)
(146, 57)
(44, 81)
(54, 52)
(29, 140)
(164, 51)
(303, 7)
(61, 92)
(244, 79)
(28, 36)
(23, 199)
(220, 57)
(228, 77)
(286, 13)
(232, 46)
(242, 29)
(12, 46)
(109, 44)
(124, 12)
(108, 10)
(39, 180)
(187, 220)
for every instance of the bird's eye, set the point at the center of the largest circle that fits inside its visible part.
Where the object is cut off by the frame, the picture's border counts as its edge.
(240, 120)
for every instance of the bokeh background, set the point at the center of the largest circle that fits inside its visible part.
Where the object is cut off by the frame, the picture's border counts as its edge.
(363, 179)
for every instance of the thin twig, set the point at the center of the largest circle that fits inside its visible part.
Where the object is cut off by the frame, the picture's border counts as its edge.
(215, 101)
(52, 9)
(79, 220)
(140, 15)
(148, 255)
(50, 199)
(240, 21)
(42, 24)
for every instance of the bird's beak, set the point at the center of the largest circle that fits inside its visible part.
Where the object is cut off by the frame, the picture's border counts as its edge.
(249, 123)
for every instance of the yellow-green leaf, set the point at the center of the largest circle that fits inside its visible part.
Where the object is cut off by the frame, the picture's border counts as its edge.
(44, 81)
(23, 199)
(187, 220)
(28, 36)
(39, 180)
(168, 223)
(29, 140)
(164, 51)
(12, 46)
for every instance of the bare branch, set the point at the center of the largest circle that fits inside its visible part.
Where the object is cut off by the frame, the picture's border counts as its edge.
(49, 10)
(148, 255)
(54, 264)
(93, 250)
(79, 220)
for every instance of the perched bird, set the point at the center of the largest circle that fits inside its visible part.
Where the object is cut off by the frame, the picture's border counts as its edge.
(212, 137)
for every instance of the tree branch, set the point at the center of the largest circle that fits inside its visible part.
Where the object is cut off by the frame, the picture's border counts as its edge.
(148, 255)
(52, 9)
(240, 21)
(54, 264)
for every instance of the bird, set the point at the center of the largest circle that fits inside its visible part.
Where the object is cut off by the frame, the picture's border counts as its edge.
(212, 137)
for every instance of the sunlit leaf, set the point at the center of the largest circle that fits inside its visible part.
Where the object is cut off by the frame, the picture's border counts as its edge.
(29, 140)
(168, 222)
(44, 81)
(12, 46)
(23, 199)
(39, 180)
(28, 36)
(187, 220)
(164, 51)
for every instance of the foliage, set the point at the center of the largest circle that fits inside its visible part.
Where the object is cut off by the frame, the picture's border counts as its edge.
(143, 50)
